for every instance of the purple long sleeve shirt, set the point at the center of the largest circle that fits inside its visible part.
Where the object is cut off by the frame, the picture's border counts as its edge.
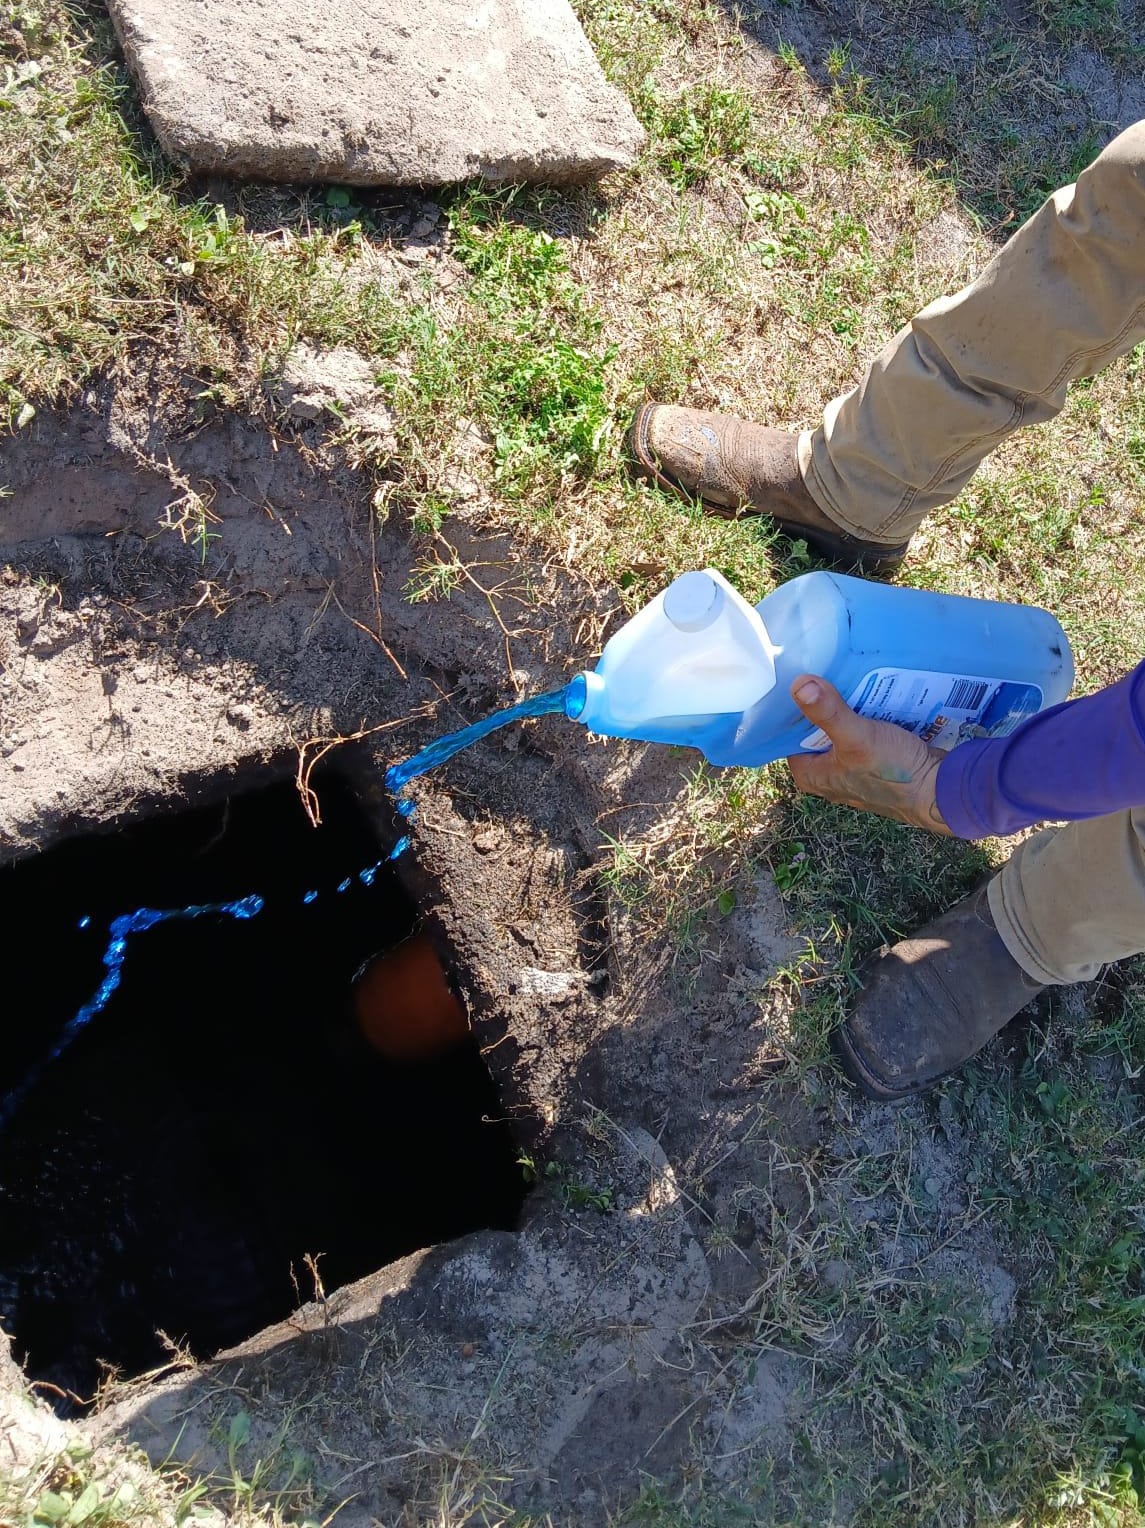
(1083, 758)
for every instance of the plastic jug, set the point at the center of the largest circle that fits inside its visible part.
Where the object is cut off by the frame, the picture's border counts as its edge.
(701, 667)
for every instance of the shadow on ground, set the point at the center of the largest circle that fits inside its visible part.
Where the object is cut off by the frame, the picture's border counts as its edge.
(1006, 100)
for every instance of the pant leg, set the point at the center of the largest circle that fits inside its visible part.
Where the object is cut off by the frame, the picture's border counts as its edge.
(1059, 301)
(1070, 899)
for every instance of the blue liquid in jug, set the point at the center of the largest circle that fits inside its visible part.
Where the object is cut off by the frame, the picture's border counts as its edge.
(945, 667)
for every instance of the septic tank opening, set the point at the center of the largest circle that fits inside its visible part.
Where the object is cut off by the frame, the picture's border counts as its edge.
(257, 1092)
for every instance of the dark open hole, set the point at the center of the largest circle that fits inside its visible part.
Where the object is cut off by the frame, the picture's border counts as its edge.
(228, 1114)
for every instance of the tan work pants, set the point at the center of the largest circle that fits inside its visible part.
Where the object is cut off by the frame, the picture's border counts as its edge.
(1065, 296)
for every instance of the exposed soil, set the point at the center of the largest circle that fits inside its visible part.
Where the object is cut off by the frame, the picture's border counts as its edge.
(139, 675)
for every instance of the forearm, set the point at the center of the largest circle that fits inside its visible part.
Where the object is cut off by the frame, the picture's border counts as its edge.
(1083, 758)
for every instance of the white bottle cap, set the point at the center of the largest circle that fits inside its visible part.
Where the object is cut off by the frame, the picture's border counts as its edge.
(693, 601)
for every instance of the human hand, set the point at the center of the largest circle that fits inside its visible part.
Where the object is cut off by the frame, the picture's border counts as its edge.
(874, 766)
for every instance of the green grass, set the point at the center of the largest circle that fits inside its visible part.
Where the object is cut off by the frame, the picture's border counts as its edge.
(101, 252)
(788, 214)
(267, 1481)
(699, 130)
(1099, 22)
(926, 1407)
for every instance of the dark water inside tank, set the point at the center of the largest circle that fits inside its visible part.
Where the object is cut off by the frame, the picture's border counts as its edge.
(221, 1119)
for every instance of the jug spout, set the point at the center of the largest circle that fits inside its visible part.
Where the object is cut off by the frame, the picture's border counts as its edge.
(578, 694)
(697, 650)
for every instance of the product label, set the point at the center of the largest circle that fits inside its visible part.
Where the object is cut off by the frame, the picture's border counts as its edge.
(941, 709)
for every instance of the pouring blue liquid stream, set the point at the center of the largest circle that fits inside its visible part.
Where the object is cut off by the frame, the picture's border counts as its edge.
(399, 776)
(244, 908)
(113, 958)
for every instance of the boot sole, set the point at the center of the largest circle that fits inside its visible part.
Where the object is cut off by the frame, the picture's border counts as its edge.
(840, 548)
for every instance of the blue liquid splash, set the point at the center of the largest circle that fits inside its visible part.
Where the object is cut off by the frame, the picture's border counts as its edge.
(113, 959)
(398, 776)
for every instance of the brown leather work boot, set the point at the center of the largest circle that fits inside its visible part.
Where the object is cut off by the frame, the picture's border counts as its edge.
(739, 468)
(931, 1002)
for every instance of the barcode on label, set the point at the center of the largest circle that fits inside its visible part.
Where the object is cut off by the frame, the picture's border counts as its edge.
(967, 694)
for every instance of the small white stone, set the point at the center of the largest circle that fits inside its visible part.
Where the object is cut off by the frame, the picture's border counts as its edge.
(537, 983)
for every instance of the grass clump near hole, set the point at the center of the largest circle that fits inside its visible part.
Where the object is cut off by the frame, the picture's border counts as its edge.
(540, 368)
(698, 130)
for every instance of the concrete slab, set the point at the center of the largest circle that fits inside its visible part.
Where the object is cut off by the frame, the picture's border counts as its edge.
(400, 92)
